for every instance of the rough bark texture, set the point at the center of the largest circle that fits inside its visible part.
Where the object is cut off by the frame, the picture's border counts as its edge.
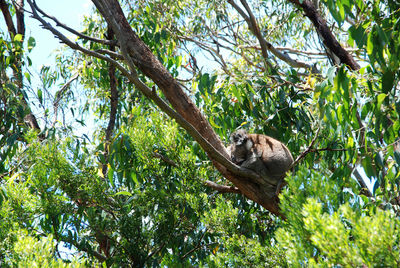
(113, 104)
(7, 17)
(325, 33)
(19, 12)
(148, 64)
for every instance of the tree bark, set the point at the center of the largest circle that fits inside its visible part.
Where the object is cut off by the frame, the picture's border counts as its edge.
(19, 12)
(7, 17)
(325, 33)
(113, 104)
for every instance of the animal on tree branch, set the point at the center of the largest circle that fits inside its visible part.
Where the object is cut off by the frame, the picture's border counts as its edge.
(268, 157)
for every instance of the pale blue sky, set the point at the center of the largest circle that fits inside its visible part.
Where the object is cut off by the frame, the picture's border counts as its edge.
(69, 12)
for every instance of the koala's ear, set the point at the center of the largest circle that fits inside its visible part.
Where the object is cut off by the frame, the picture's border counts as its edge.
(242, 132)
(232, 137)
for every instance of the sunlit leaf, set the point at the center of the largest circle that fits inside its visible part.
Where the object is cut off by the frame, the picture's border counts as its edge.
(380, 98)
(126, 193)
(18, 37)
(31, 43)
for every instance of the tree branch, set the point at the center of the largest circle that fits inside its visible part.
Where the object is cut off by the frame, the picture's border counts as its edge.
(325, 33)
(113, 103)
(165, 159)
(110, 53)
(97, 255)
(86, 37)
(59, 96)
(222, 188)
(8, 18)
(265, 45)
(199, 245)
(253, 26)
(214, 53)
(19, 13)
(30, 119)
(305, 152)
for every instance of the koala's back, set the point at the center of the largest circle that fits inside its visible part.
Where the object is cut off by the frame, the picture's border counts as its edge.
(275, 155)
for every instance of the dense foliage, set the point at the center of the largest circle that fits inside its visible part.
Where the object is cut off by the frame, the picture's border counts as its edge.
(132, 191)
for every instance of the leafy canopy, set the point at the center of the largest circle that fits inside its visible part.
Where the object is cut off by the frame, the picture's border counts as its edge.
(138, 198)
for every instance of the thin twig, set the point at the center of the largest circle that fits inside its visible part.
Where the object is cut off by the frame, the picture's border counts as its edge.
(59, 96)
(222, 188)
(165, 159)
(305, 152)
(86, 37)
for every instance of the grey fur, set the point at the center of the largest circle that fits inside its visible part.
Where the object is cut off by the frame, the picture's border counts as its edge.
(265, 155)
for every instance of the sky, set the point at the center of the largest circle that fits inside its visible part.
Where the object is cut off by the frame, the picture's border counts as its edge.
(69, 12)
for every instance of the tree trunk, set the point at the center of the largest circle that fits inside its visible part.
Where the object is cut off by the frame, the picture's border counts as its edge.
(149, 65)
(325, 33)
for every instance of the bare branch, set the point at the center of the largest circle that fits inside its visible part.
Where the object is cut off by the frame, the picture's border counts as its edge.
(59, 96)
(110, 53)
(308, 150)
(69, 43)
(86, 37)
(19, 13)
(364, 187)
(300, 52)
(253, 26)
(214, 53)
(198, 246)
(222, 188)
(113, 103)
(325, 33)
(265, 45)
(8, 18)
(165, 159)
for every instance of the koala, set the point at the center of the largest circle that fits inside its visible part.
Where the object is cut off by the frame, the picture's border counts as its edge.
(265, 155)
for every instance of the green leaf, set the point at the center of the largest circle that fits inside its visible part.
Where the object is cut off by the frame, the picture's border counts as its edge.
(387, 81)
(179, 61)
(339, 112)
(376, 186)
(27, 76)
(123, 193)
(12, 139)
(110, 175)
(380, 98)
(134, 178)
(341, 12)
(367, 165)
(31, 43)
(40, 95)
(213, 123)
(379, 160)
(370, 44)
(18, 38)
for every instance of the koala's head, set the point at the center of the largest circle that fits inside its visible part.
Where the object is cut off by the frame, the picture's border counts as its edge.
(240, 146)
(239, 138)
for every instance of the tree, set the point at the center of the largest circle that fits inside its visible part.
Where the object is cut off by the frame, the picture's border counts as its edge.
(145, 186)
